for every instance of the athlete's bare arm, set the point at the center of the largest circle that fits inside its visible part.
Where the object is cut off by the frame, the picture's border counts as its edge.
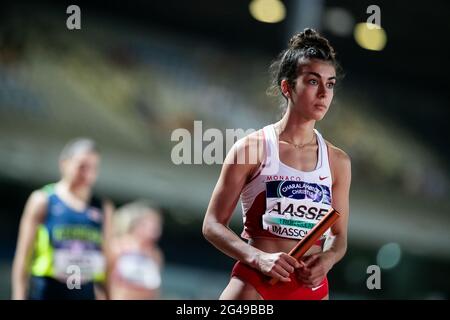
(158, 255)
(33, 215)
(233, 177)
(107, 232)
(102, 289)
(319, 264)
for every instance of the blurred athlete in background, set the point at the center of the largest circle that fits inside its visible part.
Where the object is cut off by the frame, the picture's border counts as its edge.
(63, 229)
(135, 261)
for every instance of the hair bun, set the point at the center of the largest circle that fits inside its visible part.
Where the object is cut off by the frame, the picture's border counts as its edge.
(312, 42)
(309, 33)
(304, 39)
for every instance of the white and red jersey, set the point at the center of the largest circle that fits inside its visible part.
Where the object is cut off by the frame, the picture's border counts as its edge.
(280, 201)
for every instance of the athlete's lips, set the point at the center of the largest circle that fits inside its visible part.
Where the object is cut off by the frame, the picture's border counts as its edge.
(320, 105)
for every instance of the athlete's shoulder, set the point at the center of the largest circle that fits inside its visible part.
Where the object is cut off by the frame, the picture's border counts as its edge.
(338, 157)
(36, 205)
(48, 189)
(340, 163)
(251, 140)
(248, 149)
(41, 195)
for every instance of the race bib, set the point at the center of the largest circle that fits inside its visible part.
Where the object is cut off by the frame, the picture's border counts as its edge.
(139, 270)
(89, 263)
(295, 207)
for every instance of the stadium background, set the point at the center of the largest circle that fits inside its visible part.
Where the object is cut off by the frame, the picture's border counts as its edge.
(138, 70)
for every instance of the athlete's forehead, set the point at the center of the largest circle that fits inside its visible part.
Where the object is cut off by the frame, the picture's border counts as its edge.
(319, 69)
(85, 157)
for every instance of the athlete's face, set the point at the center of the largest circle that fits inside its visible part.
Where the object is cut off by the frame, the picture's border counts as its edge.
(313, 89)
(148, 227)
(81, 169)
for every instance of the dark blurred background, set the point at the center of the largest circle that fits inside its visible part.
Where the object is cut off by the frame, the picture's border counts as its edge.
(137, 70)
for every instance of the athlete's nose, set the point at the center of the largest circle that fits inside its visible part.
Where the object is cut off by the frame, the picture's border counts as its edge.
(322, 92)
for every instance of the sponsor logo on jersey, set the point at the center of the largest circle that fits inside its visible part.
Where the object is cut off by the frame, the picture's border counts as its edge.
(299, 190)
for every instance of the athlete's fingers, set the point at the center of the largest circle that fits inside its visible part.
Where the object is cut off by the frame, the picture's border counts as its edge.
(314, 282)
(317, 271)
(309, 260)
(275, 274)
(291, 260)
(305, 272)
(307, 283)
(286, 266)
(281, 271)
(305, 279)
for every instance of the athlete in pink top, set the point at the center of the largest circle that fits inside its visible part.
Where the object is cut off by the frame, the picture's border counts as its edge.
(135, 261)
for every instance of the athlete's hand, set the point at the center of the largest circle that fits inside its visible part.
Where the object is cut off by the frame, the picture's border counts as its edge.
(314, 268)
(277, 265)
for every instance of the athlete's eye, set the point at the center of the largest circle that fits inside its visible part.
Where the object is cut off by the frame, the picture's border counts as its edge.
(313, 81)
(330, 85)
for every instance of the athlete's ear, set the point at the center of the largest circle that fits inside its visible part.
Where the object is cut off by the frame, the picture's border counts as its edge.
(285, 88)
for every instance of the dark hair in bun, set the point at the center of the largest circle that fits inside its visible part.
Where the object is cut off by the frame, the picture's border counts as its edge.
(305, 45)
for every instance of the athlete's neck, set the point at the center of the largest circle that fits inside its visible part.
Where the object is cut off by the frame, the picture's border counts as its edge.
(78, 191)
(295, 128)
(143, 243)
